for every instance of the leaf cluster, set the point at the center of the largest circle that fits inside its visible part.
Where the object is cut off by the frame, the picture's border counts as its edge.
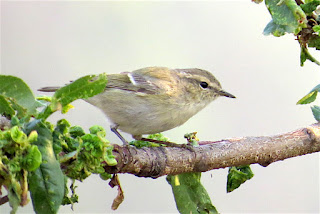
(39, 157)
(300, 18)
(18, 156)
(82, 154)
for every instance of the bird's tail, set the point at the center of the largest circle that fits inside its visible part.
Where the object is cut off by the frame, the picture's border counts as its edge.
(49, 89)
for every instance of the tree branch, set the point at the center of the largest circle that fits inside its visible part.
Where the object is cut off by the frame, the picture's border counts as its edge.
(158, 161)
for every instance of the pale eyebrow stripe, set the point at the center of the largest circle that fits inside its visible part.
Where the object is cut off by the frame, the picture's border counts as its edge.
(132, 79)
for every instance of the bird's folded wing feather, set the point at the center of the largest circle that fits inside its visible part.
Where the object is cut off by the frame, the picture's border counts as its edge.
(134, 82)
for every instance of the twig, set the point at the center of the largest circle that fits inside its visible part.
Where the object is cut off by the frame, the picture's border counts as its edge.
(158, 161)
(4, 199)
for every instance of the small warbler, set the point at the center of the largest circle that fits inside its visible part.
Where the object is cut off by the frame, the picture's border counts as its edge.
(154, 99)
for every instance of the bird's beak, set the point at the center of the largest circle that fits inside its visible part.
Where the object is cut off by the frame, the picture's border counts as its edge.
(226, 94)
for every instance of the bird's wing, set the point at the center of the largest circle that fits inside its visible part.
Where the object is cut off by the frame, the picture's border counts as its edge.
(143, 81)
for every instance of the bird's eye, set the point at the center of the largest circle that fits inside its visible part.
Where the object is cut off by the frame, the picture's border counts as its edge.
(204, 84)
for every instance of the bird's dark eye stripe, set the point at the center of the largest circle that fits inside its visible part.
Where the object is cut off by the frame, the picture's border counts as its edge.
(204, 84)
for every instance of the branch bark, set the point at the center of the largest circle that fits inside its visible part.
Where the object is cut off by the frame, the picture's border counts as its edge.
(158, 161)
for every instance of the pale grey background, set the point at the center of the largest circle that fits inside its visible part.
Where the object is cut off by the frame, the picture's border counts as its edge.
(50, 43)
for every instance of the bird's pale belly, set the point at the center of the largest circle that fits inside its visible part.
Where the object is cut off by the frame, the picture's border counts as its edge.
(144, 117)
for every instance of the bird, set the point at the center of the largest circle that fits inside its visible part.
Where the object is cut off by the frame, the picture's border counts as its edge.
(154, 99)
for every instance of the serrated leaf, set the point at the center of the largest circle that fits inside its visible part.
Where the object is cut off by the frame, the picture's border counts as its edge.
(316, 112)
(46, 183)
(237, 176)
(15, 88)
(287, 17)
(189, 194)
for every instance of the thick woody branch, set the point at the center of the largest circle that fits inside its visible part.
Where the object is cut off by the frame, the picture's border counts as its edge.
(158, 161)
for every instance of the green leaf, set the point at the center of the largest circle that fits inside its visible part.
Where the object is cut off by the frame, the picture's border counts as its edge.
(316, 112)
(141, 143)
(5, 107)
(73, 198)
(46, 183)
(15, 88)
(105, 176)
(237, 176)
(76, 131)
(287, 17)
(15, 121)
(33, 136)
(66, 108)
(192, 138)
(109, 157)
(89, 152)
(310, 6)
(82, 88)
(304, 55)
(310, 97)
(14, 196)
(276, 29)
(314, 42)
(189, 194)
(93, 144)
(17, 135)
(316, 29)
(33, 159)
(96, 129)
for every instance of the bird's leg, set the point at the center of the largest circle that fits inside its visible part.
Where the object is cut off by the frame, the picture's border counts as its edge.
(114, 129)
